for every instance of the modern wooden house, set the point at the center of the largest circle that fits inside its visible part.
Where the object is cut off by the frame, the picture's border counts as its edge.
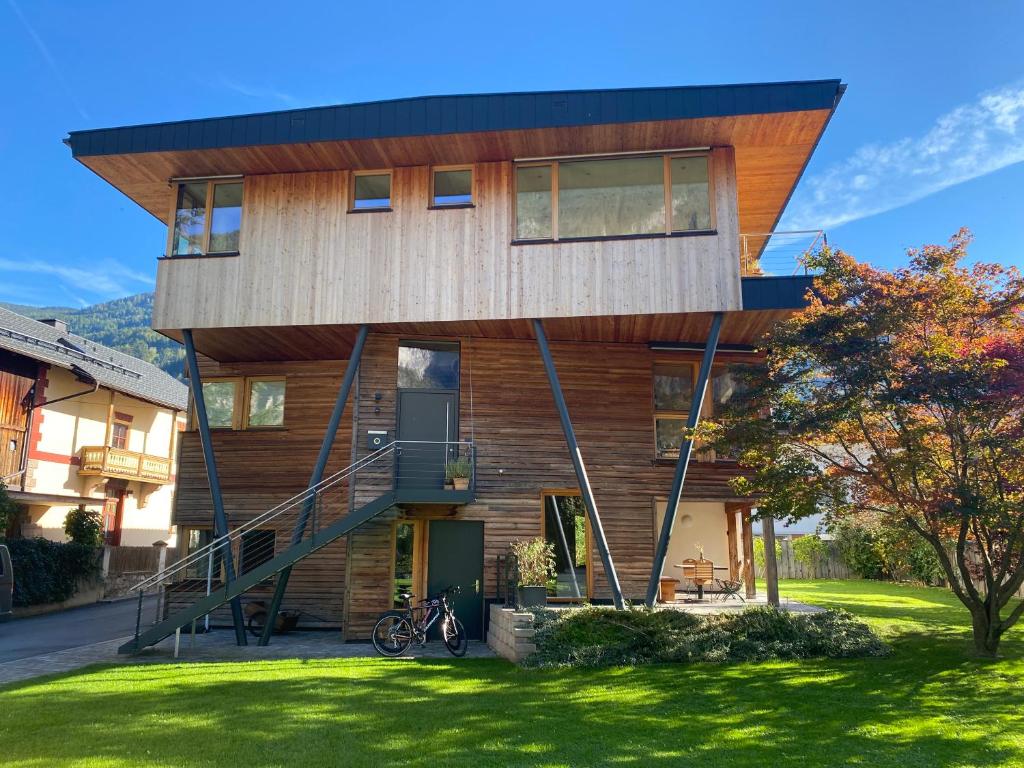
(85, 425)
(538, 285)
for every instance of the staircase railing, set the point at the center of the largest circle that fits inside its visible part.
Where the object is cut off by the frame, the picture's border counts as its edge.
(408, 465)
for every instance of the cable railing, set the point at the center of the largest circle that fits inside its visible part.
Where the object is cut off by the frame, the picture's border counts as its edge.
(778, 253)
(427, 468)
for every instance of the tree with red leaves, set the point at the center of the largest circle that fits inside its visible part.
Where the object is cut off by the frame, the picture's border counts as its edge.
(901, 394)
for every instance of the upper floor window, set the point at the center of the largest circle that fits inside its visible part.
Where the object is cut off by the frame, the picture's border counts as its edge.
(613, 197)
(371, 192)
(119, 435)
(207, 218)
(244, 403)
(673, 397)
(451, 187)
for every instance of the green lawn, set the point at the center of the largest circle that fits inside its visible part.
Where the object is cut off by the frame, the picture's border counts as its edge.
(928, 704)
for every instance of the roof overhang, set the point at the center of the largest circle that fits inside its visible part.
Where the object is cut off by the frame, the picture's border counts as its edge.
(773, 127)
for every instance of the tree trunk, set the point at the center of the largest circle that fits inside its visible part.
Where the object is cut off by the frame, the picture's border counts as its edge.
(986, 633)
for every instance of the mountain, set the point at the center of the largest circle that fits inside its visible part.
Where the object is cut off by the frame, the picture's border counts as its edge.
(122, 324)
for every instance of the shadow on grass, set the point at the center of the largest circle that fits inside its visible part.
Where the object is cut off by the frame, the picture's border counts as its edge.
(907, 710)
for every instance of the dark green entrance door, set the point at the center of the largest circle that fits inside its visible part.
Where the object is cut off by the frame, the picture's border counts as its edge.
(426, 419)
(455, 556)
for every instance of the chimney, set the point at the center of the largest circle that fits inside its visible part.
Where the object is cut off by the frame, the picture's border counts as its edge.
(60, 325)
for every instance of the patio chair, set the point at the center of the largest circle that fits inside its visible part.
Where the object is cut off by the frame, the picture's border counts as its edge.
(686, 569)
(703, 574)
(729, 588)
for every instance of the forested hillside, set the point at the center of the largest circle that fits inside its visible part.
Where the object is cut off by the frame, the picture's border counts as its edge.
(122, 324)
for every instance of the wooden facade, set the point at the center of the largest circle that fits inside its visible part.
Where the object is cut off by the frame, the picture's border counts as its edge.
(520, 453)
(306, 260)
(14, 389)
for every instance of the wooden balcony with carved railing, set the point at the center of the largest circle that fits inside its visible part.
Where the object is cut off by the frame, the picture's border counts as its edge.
(128, 465)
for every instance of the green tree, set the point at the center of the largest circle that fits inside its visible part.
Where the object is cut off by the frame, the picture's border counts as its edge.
(902, 394)
(83, 527)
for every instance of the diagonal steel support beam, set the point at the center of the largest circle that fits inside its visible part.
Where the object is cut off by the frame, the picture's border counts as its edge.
(318, 474)
(577, 462)
(661, 551)
(220, 519)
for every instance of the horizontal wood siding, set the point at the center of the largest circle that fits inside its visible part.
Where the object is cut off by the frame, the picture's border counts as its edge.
(306, 261)
(506, 408)
(261, 468)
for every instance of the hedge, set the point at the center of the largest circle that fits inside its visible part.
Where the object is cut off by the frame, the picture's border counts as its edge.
(602, 637)
(48, 571)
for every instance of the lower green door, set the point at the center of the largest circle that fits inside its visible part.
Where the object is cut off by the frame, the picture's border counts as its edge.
(455, 557)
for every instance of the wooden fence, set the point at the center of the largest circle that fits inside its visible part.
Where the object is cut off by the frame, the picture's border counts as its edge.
(132, 560)
(830, 567)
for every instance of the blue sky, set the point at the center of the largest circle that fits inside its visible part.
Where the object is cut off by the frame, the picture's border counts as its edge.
(929, 137)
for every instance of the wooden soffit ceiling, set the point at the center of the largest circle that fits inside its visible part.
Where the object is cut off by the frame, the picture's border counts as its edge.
(771, 152)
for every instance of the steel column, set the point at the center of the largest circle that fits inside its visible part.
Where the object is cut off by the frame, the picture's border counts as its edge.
(577, 463)
(220, 519)
(661, 551)
(318, 474)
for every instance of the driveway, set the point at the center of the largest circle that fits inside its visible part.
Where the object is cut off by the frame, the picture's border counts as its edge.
(36, 635)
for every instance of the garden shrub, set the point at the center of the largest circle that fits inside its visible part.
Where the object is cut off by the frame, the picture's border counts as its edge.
(48, 571)
(857, 548)
(810, 551)
(8, 511)
(83, 526)
(759, 551)
(602, 637)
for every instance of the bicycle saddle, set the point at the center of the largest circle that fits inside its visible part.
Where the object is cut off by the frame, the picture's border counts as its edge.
(406, 596)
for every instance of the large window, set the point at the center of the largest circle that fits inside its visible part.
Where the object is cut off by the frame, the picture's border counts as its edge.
(247, 403)
(207, 219)
(428, 365)
(673, 397)
(613, 197)
(566, 530)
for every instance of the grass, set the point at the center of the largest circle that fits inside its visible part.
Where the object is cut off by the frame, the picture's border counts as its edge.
(927, 704)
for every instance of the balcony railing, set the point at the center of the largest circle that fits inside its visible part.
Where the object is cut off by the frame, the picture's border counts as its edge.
(129, 465)
(778, 253)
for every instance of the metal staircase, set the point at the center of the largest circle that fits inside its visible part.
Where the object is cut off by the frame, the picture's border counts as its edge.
(193, 587)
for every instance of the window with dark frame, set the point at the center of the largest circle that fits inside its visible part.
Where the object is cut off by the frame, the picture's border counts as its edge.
(207, 218)
(257, 548)
(371, 192)
(642, 195)
(451, 187)
(207, 565)
(673, 398)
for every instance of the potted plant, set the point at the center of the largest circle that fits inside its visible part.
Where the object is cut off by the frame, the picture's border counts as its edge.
(535, 563)
(457, 473)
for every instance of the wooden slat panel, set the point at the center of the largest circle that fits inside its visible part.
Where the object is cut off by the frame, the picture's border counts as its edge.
(305, 261)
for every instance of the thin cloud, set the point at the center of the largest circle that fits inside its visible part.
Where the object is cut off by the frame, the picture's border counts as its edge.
(971, 141)
(107, 279)
(265, 93)
(51, 62)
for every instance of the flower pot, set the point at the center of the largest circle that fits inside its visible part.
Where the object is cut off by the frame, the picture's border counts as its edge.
(448, 485)
(533, 597)
(461, 483)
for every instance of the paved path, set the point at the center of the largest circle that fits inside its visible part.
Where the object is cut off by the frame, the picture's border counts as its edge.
(87, 625)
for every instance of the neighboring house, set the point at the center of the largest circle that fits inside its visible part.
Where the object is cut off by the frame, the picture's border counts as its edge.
(82, 424)
(624, 221)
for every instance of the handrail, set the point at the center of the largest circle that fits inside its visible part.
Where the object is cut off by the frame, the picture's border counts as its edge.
(208, 550)
(788, 251)
(19, 473)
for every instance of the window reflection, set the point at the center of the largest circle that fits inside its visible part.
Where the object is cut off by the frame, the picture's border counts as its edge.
(428, 365)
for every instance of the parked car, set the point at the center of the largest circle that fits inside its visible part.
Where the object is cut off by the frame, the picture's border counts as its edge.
(6, 583)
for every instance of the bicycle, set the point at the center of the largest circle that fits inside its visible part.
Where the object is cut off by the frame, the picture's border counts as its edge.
(396, 630)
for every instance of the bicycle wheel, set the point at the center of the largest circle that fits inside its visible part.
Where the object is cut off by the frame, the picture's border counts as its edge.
(392, 634)
(455, 637)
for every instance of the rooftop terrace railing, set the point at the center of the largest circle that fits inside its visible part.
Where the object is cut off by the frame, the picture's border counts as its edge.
(778, 253)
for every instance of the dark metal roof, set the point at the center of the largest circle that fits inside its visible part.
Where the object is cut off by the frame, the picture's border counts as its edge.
(786, 292)
(115, 370)
(434, 115)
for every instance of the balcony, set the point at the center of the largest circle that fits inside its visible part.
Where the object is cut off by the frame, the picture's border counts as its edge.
(768, 254)
(127, 465)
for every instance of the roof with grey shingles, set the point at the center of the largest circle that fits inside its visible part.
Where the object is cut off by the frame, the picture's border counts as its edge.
(110, 368)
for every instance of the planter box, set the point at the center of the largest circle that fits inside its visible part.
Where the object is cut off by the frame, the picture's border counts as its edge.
(532, 597)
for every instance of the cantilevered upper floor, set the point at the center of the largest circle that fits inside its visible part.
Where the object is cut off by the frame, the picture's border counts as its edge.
(472, 209)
